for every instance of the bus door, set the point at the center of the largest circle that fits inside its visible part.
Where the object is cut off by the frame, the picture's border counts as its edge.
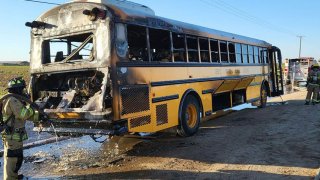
(275, 70)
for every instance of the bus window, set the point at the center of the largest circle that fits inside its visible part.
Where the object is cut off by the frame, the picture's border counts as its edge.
(192, 43)
(121, 40)
(251, 56)
(214, 51)
(232, 52)
(72, 48)
(179, 51)
(245, 57)
(204, 50)
(256, 55)
(238, 53)
(261, 55)
(160, 45)
(265, 55)
(137, 43)
(224, 51)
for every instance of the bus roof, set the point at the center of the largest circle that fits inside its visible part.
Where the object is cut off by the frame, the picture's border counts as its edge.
(133, 13)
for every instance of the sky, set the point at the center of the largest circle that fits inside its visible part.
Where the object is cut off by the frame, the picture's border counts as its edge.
(278, 22)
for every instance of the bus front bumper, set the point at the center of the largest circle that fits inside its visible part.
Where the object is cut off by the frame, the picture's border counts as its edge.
(80, 123)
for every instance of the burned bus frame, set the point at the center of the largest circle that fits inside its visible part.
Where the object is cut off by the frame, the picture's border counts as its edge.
(100, 110)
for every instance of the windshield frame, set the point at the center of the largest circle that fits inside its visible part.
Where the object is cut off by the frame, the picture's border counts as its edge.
(45, 61)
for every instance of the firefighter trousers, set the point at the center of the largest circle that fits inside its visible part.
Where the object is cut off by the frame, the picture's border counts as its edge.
(313, 90)
(13, 158)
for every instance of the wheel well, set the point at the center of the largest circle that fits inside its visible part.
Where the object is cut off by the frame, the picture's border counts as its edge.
(267, 86)
(191, 92)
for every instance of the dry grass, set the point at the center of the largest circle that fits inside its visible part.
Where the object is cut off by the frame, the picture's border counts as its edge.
(9, 72)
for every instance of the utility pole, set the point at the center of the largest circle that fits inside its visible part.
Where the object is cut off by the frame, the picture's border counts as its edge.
(300, 37)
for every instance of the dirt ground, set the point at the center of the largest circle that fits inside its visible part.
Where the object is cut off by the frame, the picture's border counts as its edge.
(277, 142)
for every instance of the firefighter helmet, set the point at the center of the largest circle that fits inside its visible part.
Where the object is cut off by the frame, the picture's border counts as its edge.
(316, 65)
(16, 83)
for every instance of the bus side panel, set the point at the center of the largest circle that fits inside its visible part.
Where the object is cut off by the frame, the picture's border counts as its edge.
(165, 86)
(166, 101)
(253, 93)
(253, 90)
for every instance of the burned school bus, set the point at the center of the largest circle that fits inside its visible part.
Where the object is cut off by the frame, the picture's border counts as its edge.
(100, 64)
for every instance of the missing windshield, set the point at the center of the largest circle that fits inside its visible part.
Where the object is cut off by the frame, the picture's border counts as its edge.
(71, 48)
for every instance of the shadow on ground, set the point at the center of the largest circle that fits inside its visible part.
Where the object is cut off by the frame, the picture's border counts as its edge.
(280, 137)
(160, 174)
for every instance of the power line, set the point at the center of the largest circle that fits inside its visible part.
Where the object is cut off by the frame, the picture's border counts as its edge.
(42, 2)
(241, 14)
(279, 28)
(230, 9)
(254, 18)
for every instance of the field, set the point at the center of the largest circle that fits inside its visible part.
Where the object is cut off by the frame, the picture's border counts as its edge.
(9, 72)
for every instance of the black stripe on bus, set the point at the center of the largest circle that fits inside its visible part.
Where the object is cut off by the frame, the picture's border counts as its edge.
(174, 82)
(253, 100)
(165, 98)
(179, 64)
(208, 91)
(255, 84)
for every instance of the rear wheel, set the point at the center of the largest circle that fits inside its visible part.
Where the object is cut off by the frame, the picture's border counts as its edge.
(263, 96)
(189, 117)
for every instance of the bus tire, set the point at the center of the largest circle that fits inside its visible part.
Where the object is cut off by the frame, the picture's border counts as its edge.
(263, 96)
(189, 117)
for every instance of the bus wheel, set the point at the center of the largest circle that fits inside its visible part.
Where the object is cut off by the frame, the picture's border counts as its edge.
(263, 96)
(189, 117)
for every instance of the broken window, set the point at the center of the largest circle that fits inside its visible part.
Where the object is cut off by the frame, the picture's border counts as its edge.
(179, 50)
(71, 48)
(204, 50)
(238, 53)
(232, 52)
(193, 49)
(214, 51)
(245, 57)
(121, 43)
(160, 45)
(224, 51)
(250, 53)
(137, 43)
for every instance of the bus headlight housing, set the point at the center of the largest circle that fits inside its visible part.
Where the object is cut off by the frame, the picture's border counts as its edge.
(95, 14)
(35, 24)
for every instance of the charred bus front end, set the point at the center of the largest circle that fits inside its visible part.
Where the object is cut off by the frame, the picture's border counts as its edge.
(70, 68)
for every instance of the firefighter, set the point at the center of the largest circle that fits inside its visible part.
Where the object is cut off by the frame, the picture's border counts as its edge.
(15, 113)
(313, 84)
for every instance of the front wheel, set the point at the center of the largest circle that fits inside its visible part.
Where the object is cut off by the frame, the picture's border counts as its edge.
(189, 117)
(263, 96)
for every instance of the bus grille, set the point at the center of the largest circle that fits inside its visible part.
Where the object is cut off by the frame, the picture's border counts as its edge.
(140, 121)
(162, 114)
(134, 99)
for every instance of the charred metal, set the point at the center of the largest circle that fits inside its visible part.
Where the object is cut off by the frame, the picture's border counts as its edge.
(69, 90)
(75, 49)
